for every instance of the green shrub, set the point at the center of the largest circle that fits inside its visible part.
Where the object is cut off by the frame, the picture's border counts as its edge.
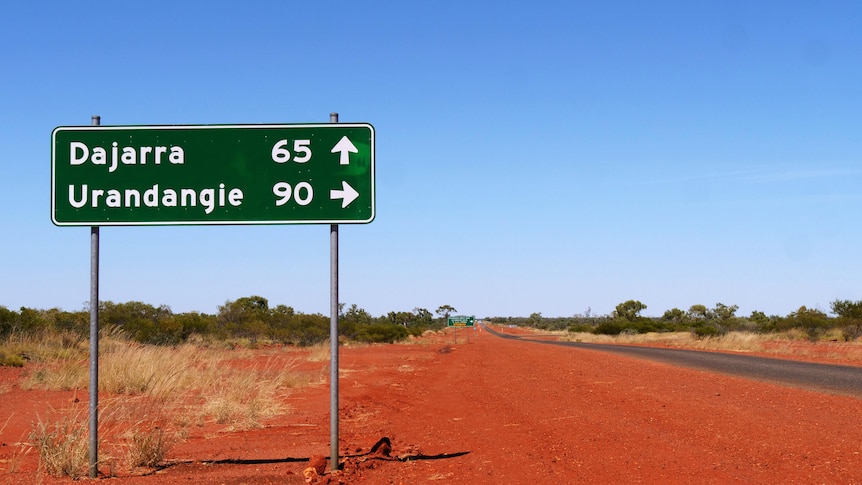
(581, 328)
(7, 320)
(609, 328)
(11, 360)
(851, 332)
(381, 333)
(417, 330)
(704, 331)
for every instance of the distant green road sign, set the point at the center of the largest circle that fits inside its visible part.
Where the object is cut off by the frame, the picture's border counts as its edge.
(213, 174)
(460, 321)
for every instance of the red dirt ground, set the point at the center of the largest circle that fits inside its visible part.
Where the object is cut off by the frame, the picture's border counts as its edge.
(491, 410)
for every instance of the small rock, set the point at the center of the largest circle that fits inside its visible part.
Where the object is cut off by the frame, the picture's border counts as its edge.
(310, 474)
(318, 462)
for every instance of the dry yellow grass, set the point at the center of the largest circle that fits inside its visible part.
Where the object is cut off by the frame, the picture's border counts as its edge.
(319, 352)
(17, 349)
(63, 445)
(738, 341)
(785, 343)
(151, 395)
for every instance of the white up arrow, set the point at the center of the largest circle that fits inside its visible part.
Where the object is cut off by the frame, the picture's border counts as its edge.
(346, 147)
(347, 195)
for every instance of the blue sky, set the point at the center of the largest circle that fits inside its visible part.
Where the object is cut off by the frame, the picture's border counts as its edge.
(531, 157)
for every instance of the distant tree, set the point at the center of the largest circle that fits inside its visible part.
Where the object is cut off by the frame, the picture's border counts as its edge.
(850, 316)
(699, 312)
(75, 322)
(851, 310)
(253, 303)
(309, 329)
(629, 310)
(30, 321)
(423, 316)
(674, 316)
(813, 321)
(725, 315)
(710, 323)
(444, 311)
(142, 322)
(724, 312)
(246, 317)
(194, 323)
(759, 318)
(7, 320)
(281, 323)
(535, 320)
(357, 315)
(405, 319)
(283, 311)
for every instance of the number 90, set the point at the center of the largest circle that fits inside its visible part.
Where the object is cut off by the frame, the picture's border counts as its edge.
(302, 193)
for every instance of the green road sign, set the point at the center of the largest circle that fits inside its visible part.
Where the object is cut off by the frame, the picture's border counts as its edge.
(460, 321)
(212, 174)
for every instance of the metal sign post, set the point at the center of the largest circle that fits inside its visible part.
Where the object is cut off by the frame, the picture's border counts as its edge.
(333, 338)
(94, 344)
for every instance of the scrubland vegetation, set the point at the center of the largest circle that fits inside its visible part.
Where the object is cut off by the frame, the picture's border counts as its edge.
(163, 374)
(245, 321)
(845, 323)
(780, 344)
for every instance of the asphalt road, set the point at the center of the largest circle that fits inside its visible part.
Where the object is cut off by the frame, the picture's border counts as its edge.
(835, 379)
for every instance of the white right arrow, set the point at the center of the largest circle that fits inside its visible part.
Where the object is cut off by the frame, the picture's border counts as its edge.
(347, 195)
(346, 147)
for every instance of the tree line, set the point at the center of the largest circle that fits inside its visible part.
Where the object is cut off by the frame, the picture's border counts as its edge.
(703, 321)
(253, 319)
(249, 318)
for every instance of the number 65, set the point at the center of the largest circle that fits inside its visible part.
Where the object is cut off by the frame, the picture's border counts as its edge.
(280, 153)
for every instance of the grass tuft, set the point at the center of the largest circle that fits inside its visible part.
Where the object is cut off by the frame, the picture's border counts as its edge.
(147, 448)
(63, 446)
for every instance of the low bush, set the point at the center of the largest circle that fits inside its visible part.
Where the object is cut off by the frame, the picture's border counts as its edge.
(381, 333)
(851, 332)
(581, 328)
(11, 360)
(609, 328)
(704, 331)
